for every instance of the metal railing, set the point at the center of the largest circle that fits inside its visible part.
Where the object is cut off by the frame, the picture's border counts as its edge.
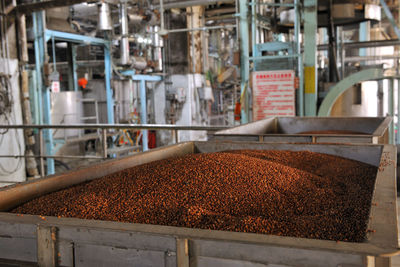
(104, 128)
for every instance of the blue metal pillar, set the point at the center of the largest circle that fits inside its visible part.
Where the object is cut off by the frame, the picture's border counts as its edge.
(390, 17)
(38, 67)
(363, 36)
(44, 92)
(245, 65)
(310, 57)
(143, 99)
(107, 70)
(143, 114)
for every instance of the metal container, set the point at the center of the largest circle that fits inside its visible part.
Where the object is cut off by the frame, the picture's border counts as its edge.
(78, 242)
(66, 108)
(104, 22)
(290, 129)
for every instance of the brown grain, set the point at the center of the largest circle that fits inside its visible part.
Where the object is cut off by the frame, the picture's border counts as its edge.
(299, 194)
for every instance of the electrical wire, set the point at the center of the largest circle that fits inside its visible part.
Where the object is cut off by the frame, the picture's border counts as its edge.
(7, 87)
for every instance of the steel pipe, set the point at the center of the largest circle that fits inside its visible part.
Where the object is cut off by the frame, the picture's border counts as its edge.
(184, 4)
(202, 28)
(366, 44)
(117, 126)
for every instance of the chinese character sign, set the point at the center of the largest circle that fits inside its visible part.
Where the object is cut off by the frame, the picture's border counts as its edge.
(273, 94)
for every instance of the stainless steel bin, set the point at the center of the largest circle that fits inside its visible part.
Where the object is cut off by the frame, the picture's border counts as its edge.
(292, 130)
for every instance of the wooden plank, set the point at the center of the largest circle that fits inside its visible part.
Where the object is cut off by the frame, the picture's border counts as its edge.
(182, 252)
(383, 262)
(95, 255)
(107, 237)
(46, 246)
(19, 249)
(211, 253)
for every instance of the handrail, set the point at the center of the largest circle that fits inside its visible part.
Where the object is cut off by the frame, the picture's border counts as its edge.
(116, 126)
(103, 136)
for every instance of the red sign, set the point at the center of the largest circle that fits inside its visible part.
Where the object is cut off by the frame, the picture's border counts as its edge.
(55, 86)
(273, 94)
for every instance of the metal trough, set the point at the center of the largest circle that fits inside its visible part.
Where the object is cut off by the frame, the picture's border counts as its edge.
(290, 129)
(50, 241)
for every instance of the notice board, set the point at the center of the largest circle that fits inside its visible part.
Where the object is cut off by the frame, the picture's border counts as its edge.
(273, 94)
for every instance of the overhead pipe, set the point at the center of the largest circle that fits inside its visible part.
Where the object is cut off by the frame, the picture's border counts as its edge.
(124, 44)
(184, 4)
(365, 44)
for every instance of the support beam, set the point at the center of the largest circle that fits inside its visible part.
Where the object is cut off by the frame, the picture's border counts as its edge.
(300, 66)
(244, 66)
(143, 99)
(195, 21)
(391, 111)
(107, 76)
(398, 112)
(390, 17)
(310, 57)
(364, 36)
(72, 68)
(189, 3)
(38, 70)
(143, 114)
(75, 38)
(367, 44)
(44, 91)
(38, 6)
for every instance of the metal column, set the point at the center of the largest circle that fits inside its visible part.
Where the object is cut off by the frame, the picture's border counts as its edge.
(143, 99)
(245, 65)
(398, 112)
(44, 92)
(72, 68)
(300, 67)
(390, 17)
(143, 114)
(310, 57)
(38, 66)
(391, 110)
(363, 35)
(107, 75)
(88, 40)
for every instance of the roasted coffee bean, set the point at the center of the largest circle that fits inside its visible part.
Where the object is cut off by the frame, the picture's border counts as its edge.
(285, 193)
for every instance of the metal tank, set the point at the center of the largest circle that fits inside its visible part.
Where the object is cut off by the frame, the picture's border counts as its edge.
(51, 241)
(66, 108)
(305, 130)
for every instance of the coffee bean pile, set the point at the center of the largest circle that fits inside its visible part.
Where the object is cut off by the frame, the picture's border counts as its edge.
(285, 193)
